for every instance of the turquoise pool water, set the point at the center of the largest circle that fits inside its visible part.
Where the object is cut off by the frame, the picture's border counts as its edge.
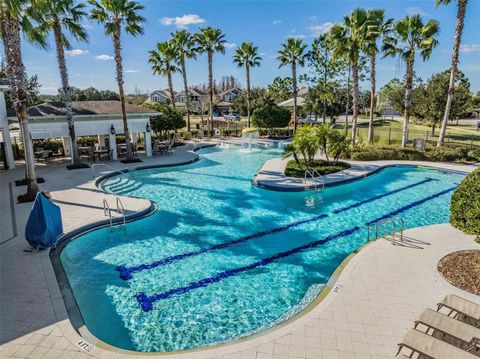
(222, 259)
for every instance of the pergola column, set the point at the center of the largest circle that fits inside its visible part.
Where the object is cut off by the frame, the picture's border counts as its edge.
(134, 137)
(7, 142)
(101, 140)
(112, 143)
(67, 146)
(148, 144)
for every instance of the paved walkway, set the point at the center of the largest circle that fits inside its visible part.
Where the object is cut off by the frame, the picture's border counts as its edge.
(375, 299)
(272, 174)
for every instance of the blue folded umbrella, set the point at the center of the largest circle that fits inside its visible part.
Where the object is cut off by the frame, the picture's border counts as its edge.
(44, 225)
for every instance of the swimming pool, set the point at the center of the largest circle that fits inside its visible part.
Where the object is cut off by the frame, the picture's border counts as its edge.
(221, 259)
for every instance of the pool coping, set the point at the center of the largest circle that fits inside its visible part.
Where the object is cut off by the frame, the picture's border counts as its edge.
(74, 314)
(302, 187)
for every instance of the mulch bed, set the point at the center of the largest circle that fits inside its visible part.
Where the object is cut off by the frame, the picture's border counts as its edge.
(462, 269)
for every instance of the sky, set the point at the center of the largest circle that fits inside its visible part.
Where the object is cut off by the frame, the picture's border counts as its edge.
(266, 23)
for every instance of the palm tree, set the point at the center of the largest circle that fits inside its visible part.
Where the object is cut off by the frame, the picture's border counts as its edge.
(409, 35)
(348, 41)
(293, 54)
(376, 29)
(13, 22)
(61, 16)
(116, 15)
(209, 41)
(247, 55)
(184, 46)
(163, 63)
(462, 7)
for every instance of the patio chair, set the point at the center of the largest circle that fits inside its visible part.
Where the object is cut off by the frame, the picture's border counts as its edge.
(169, 148)
(461, 309)
(425, 345)
(448, 329)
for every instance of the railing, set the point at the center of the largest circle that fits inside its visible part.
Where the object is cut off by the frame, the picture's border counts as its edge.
(394, 224)
(120, 208)
(110, 167)
(316, 177)
(108, 212)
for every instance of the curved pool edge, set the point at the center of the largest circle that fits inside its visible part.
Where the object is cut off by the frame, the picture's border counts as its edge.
(282, 183)
(76, 319)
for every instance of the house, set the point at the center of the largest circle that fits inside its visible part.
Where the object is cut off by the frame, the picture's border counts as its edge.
(301, 96)
(226, 99)
(159, 96)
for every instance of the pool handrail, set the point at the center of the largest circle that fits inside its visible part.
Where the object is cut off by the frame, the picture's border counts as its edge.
(316, 177)
(384, 222)
(105, 165)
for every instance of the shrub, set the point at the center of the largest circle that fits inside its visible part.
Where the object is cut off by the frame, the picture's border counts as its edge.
(297, 169)
(465, 205)
(167, 120)
(270, 117)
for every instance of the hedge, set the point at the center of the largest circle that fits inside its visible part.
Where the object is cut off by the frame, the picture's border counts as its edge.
(465, 205)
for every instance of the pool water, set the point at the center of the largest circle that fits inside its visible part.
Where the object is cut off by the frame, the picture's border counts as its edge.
(221, 259)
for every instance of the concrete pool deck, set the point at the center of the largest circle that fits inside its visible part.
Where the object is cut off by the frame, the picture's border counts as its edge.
(373, 302)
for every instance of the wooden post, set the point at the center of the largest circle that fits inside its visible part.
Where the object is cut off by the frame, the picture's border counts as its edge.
(389, 134)
(426, 139)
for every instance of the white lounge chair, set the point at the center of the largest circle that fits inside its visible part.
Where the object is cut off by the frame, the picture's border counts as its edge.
(461, 309)
(425, 345)
(447, 329)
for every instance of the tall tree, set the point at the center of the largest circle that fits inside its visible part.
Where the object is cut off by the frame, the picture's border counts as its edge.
(410, 35)
(184, 45)
(349, 40)
(209, 41)
(13, 21)
(293, 54)
(115, 16)
(377, 27)
(462, 8)
(247, 56)
(63, 17)
(163, 63)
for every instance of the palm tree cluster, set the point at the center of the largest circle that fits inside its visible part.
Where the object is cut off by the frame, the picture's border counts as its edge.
(360, 34)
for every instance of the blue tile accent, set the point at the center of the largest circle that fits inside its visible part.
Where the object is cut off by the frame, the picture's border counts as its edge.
(127, 272)
(358, 204)
(146, 301)
(413, 204)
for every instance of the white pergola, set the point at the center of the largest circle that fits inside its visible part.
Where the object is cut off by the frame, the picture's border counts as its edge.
(47, 121)
(4, 127)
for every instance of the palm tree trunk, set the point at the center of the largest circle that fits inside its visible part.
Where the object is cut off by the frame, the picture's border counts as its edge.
(170, 88)
(210, 90)
(119, 67)
(372, 96)
(354, 100)
(407, 101)
(462, 6)
(185, 89)
(347, 109)
(66, 92)
(247, 68)
(294, 82)
(17, 77)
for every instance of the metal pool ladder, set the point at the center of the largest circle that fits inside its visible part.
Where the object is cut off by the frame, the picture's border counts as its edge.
(395, 225)
(108, 212)
(319, 182)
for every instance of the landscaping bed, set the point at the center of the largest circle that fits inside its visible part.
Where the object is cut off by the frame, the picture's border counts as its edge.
(462, 270)
(293, 169)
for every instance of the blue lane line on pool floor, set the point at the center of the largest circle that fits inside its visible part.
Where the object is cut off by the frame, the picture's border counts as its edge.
(146, 301)
(411, 205)
(127, 272)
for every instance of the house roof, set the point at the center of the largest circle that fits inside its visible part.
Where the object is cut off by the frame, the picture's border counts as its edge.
(57, 108)
(224, 104)
(164, 93)
(289, 102)
(234, 90)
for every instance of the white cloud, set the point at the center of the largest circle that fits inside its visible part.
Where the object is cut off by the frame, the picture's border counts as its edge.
(104, 57)
(183, 21)
(414, 10)
(300, 37)
(131, 71)
(76, 52)
(263, 53)
(469, 48)
(230, 45)
(276, 22)
(313, 17)
(318, 30)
